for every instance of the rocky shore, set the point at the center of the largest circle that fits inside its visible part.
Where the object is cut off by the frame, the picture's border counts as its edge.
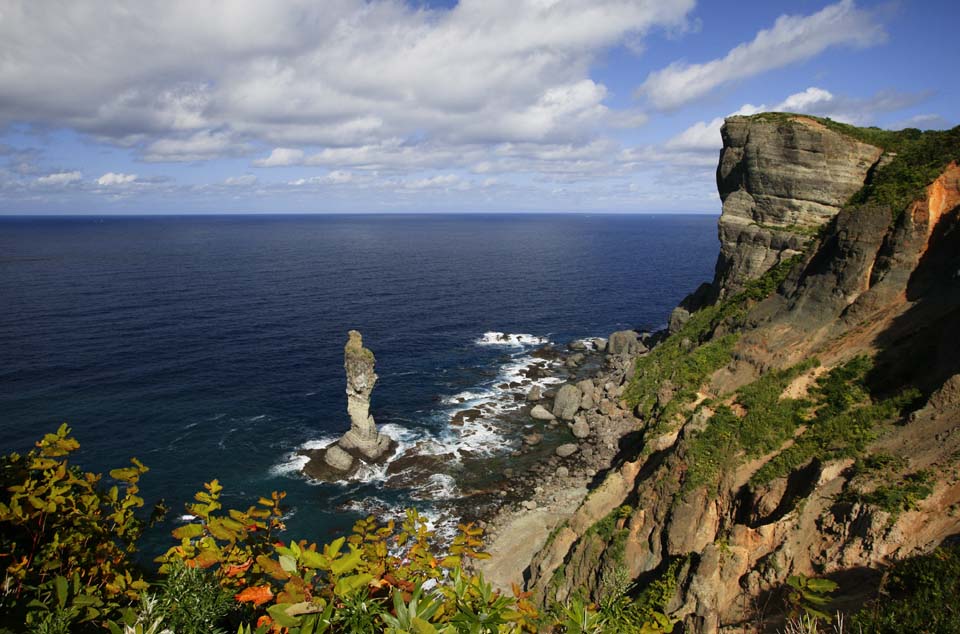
(594, 427)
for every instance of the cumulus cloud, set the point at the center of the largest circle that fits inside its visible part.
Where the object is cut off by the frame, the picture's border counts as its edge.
(281, 157)
(186, 81)
(59, 179)
(111, 178)
(793, 38)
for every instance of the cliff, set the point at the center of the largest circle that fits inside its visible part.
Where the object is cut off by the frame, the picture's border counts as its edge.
(804, 416)
(781, 178)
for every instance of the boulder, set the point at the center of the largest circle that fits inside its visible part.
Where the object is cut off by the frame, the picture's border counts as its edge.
(563, 472)
(624, 343)
(580, 429)
(599, 344)
(567, 450)
(541, 413)
(535, 394)
(567, 402)
(578, 345)
(586, 387)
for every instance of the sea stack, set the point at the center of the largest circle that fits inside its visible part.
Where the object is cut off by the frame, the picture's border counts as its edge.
(362, 443)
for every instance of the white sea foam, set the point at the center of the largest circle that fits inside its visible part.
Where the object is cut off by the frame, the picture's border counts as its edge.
(439, 486)
(494, 338)
(294, 462)
(468, 396)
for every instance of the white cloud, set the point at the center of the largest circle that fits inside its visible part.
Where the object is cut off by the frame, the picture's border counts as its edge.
(281, 157)
(441, 181)
(111, 178)
(704, 135)
(806, 101)
(59, 179)
(792, 38)
(241, 181)
(199, 146)
(182, 81)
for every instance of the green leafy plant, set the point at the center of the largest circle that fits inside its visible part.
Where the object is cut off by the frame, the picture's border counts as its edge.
(578, 617)
(807, 595)
(64, 529)
(918, 594)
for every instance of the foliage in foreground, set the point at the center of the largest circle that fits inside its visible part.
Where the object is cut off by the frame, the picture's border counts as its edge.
(69, 541)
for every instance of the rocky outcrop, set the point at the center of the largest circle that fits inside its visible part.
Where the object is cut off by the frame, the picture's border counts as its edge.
(624, 342)
(362, 436)
(362, 443)
(871, 283)
(781, 178)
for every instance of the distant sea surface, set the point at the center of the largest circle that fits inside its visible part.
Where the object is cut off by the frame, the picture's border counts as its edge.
(212, 347)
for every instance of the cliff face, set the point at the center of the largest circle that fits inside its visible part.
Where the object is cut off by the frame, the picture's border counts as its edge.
(806, 501)
(780, 177)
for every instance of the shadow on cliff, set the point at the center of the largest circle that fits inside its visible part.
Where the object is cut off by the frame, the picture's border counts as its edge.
(921, 347)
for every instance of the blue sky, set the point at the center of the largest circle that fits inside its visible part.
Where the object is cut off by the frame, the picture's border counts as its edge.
(186, 106)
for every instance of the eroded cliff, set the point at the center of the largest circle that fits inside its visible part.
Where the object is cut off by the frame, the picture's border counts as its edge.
(781, 178)
(809, 421)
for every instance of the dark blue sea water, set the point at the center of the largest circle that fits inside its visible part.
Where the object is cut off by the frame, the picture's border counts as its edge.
(212, 347)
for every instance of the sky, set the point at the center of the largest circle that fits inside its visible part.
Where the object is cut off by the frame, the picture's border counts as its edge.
(197, 106)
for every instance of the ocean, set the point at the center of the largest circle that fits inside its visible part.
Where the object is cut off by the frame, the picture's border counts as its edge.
(212, 346)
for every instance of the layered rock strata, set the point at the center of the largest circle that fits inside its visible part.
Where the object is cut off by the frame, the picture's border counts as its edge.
(781, 178)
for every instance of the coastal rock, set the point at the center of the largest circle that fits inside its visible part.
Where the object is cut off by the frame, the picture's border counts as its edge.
(362, 435)
(534, 394)
(567, 402)
(567, 450)
(624, 343)
(338, 458)
(586, 387)
(580, 429)
(362, 442)
(533, 439)
(599, 344)
(563, 472)
(577, 345)
(541, 413)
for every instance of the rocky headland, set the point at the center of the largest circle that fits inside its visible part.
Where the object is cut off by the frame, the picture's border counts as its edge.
(802, 416)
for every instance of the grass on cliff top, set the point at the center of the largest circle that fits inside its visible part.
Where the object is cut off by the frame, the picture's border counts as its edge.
(920, 156)
(688, 357)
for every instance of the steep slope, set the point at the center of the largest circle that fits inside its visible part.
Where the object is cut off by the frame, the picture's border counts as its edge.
(809, 421)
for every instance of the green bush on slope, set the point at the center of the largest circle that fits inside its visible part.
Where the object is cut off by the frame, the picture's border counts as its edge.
(919, 595)
(688, 357)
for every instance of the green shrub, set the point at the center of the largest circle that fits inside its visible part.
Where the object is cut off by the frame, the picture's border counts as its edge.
(919, 595)
(688, 357)
(67, 538)
(843, 424)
